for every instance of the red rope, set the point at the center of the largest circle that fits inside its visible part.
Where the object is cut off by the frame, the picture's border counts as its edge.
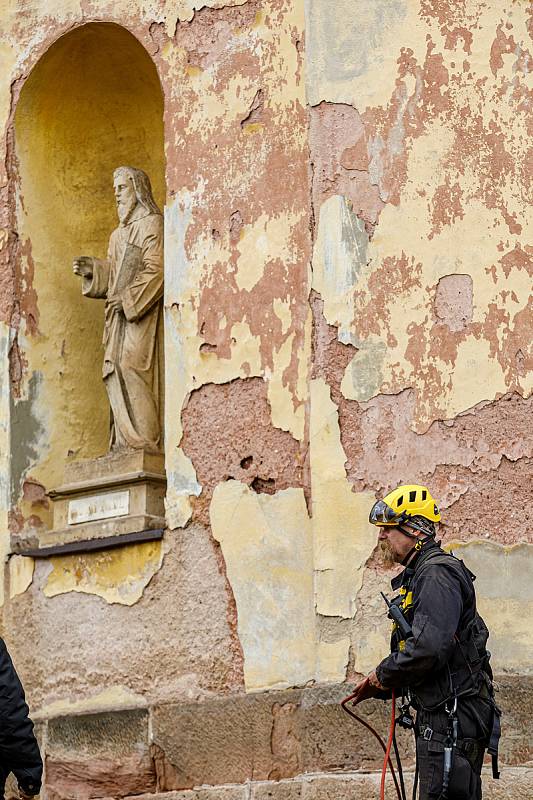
(387, 760)
(377, 736)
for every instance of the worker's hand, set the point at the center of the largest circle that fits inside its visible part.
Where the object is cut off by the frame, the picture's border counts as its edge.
(374, 681)
(115, 303)
(363, 691)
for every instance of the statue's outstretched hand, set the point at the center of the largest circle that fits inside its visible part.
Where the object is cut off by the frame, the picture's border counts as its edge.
(83, 265)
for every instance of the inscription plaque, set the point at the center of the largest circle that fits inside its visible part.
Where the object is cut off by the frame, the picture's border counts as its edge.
(98, 506)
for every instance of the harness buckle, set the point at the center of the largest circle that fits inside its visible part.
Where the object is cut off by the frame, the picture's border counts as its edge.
(428, 734)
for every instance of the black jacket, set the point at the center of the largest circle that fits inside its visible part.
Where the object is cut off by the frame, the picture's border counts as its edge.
(446, 653)
(19, 752)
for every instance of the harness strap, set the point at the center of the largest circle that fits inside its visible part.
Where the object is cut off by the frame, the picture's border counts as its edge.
(494, 740)
(469, 748)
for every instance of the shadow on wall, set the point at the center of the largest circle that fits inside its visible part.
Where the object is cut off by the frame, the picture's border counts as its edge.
(93, 102)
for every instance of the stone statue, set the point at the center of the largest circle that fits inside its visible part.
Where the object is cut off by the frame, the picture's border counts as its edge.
(131, 281)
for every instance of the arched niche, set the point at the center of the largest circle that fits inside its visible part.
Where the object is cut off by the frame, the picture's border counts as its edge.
(92, 102)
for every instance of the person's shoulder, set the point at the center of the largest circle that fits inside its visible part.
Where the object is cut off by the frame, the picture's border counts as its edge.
(443, 566)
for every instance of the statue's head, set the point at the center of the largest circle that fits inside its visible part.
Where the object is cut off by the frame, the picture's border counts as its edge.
(132, 188)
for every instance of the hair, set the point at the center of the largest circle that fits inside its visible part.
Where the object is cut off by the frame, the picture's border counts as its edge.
(142, 186)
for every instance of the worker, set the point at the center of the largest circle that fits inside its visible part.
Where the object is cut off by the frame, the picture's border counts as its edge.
(19, 752)
(441, 666)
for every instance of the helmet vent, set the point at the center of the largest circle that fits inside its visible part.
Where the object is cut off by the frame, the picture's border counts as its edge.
(399, 501)
(412, 497)
(424, 494)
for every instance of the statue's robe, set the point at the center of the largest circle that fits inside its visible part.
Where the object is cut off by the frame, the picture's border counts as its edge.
(133, 271)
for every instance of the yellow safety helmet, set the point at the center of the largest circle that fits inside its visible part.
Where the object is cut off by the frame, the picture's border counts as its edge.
(401, 504)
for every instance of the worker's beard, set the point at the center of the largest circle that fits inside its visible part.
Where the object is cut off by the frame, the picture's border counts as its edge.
(387, 557)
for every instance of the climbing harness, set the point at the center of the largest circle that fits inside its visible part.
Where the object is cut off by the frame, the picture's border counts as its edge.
(450, 743)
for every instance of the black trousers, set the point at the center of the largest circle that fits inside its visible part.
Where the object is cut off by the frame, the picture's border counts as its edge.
(475, 716)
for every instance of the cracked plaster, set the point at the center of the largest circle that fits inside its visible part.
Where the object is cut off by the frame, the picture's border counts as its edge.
(234, 273)
(267, 545)
(20, 575)
(343, 537)
(118, 576)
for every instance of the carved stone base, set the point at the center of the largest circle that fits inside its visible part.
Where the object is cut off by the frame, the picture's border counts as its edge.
(116, 494)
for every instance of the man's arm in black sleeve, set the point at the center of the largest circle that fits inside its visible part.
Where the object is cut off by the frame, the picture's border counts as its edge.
(19, 751)
(437, 610)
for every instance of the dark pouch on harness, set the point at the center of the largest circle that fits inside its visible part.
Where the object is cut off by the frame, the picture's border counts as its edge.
(464, 783)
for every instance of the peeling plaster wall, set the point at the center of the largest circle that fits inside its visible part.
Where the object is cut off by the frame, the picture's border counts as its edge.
(446, 143)
(123, 627)
(420, 130)
(267, 545)
(505, 597)
(235, 258)
(237, 255)
(449, 90)
(5, 494)
(348, 272)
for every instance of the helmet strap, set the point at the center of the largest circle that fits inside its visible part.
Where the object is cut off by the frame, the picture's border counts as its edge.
(407, 532)
(417, 547)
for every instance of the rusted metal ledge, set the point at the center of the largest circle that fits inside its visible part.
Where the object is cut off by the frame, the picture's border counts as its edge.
(90, 545)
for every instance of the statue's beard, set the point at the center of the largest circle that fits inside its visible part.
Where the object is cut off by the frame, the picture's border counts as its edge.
(125, 210)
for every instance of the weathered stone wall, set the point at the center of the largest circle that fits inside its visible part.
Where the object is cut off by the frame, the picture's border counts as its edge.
(347, 306)
(422, 270)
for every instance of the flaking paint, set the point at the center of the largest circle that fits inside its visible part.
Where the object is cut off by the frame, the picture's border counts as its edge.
(118, 576)
(406, 203)
(267, 544)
